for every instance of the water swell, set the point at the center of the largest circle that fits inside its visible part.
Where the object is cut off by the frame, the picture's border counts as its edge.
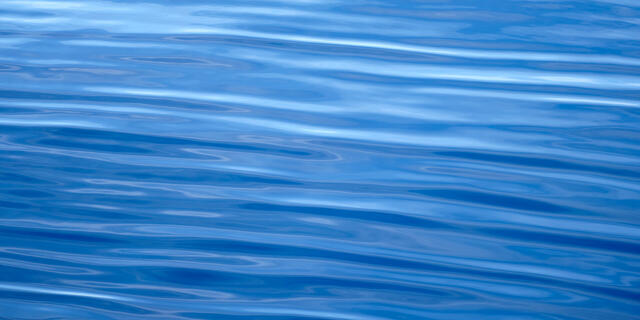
(319, 160)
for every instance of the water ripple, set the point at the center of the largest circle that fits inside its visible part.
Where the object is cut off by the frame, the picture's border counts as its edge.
(305, 159)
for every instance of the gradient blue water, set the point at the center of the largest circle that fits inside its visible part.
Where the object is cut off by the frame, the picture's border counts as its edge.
(320, 159)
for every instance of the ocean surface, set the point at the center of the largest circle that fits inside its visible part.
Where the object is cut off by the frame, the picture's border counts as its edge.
(320, 159)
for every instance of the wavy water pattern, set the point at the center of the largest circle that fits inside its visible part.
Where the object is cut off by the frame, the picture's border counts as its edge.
(307, 159)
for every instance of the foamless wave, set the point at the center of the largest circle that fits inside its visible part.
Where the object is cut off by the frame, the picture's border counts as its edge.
(319, 160)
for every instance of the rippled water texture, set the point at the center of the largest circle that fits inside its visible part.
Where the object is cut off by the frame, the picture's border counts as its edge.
(320, 159)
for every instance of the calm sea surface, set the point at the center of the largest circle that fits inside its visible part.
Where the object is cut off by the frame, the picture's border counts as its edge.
(320, 159)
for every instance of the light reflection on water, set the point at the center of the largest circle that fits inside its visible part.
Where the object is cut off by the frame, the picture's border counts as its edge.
(319, 159)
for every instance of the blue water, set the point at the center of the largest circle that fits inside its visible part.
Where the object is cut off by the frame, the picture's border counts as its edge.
(320, 159)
